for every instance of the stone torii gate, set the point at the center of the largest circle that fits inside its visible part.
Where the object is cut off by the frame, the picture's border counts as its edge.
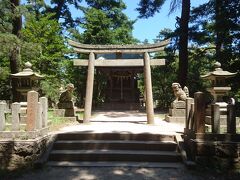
(146, 62)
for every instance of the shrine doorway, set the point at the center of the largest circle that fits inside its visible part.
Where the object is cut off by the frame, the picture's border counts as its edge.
(122, 90)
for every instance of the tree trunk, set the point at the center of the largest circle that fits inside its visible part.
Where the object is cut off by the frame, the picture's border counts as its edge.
(183, 43)
(59, 8)
(219, 42)
(15, 54)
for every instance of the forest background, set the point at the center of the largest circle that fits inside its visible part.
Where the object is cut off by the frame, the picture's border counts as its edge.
(37, 32)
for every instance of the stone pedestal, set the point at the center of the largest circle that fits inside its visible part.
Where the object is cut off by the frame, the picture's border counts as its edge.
(68, 107)
(223, 113)
(177, 112)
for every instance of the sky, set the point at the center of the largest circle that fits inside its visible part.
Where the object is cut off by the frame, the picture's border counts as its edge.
(150, 28)
(147, 28)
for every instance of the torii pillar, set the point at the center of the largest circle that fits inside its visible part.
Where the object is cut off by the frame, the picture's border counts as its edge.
(148, 89)
(89, 89)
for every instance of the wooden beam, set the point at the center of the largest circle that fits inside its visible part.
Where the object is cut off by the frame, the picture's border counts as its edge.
(119, 62)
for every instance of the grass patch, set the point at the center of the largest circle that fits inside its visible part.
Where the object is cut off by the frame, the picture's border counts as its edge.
(56, 123)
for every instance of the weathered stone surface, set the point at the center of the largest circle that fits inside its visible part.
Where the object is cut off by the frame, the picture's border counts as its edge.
(174, 119)
(89, 89)
(69, 113)
(178, 105)
(129, 48)
(199, 109)
(32, 101)
(59, 112)
(17, 154)
(23, 134)
(177, 112)
(15, 116)
(65, 101)
(148, 88)
(44, 103)
(179, 93)
(39, 116)
(65, 105)
(119, 62)
(2, 115)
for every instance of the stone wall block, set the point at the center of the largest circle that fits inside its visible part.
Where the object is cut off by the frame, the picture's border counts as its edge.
(32, 108)
(16, 116)
(44, 103)
(2, 115)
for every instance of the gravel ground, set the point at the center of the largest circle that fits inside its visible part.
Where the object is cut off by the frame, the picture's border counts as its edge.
(118, 173)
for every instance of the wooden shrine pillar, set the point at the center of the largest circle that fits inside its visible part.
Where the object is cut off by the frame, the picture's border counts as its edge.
(89, 89)
(148, 88)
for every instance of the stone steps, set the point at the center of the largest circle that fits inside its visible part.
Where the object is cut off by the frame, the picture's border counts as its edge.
(77, 148)
(115, 136)
(114, 155)
(115, 144)
(115, 164)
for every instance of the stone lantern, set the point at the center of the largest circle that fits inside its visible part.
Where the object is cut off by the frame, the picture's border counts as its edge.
(218, 77)
(26, 80)
(218, 89)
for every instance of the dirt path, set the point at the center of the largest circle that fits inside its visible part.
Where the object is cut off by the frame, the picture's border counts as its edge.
(118, 173)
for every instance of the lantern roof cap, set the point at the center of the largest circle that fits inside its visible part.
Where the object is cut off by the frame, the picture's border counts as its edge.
(27, 72)
(218, 72)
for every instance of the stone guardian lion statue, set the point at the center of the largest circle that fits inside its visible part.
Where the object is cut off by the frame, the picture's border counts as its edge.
(180, 94)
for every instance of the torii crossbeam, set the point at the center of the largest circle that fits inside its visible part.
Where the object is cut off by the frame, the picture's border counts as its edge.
(119, 49)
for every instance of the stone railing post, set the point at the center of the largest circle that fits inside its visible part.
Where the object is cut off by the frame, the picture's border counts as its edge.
(199, 112)
(16, 116)
(215, 118)
(39, 116)
(44, 103)
(189, 112)
(231, 119)
(192, 117)
(32, 108)
(2, 116)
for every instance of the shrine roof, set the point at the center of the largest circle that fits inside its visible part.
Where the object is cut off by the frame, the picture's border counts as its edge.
(124, 48)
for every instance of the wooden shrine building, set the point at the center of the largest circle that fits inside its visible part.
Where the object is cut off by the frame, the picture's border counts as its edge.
(121, 71)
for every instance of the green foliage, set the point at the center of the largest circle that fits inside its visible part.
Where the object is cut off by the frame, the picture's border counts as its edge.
(148, 8)
(62, 12)
(47, 34)
(103, 23)
(8, 43)
(111, 27)
(216, 26)
(97, 28)
(162, 79)
(50, 88)
(5, 16)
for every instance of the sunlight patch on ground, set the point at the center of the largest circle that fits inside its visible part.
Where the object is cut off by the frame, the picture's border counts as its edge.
(125, 122)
